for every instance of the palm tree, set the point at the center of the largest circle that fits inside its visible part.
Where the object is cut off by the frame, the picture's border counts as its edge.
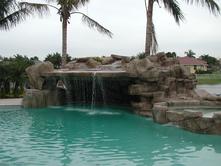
(65, 8)
(190, 53)
(173, 7)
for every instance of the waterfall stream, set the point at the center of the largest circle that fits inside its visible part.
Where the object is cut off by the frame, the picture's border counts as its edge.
(93, 90)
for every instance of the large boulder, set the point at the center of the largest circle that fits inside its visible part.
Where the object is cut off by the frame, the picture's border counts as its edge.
(35, 98)
(120, 57)
(204, 95)
(107, 60)
(217, 117)
(161, 59)
(82, 60)
(138, 89)
(151, 75)
(174, 116)
(74, 65)
(35, 72)
(159, 113)
(137, 67)
(91, 63)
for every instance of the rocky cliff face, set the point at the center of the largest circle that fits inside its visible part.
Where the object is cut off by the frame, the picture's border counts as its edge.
(158, 79)
(34, 73)
(35, 96)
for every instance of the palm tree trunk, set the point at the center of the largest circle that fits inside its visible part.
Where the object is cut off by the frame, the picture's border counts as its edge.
(64, 41)
(149, 27)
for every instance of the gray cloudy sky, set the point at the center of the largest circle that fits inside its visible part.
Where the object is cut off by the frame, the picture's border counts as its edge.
(126, 19)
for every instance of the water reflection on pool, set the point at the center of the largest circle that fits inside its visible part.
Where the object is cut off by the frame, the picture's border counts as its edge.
(67, 136)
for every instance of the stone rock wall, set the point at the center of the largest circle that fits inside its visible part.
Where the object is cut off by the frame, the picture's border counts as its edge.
(110, 63)
(34, 73)
(158, 79)
(189, 120)
(36, 96)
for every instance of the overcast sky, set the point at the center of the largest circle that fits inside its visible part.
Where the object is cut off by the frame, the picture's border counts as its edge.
(126, 19)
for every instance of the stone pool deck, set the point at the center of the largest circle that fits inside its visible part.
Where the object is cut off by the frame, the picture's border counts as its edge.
(11, 102)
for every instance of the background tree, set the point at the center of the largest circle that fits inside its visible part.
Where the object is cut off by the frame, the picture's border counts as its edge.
(173, 7)
(171, 55)
(190, 53)
(213, 63)
(56, 59)
(13, 76)
(34, 59)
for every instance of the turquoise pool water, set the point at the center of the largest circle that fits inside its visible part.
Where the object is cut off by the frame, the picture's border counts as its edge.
(78, 136)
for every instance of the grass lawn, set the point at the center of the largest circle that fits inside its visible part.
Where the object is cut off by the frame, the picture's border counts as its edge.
(209, 78)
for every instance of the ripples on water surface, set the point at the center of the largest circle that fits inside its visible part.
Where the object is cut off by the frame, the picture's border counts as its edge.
(78, 136)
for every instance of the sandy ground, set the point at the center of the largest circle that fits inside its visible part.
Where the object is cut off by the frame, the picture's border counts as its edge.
(6, 102)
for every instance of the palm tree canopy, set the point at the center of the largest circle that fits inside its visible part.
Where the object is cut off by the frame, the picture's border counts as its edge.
(65, 9)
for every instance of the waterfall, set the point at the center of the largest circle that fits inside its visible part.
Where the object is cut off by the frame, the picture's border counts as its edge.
(82, 90)
(93, 97)
(67, 91)
(98, 90)
(102, 88)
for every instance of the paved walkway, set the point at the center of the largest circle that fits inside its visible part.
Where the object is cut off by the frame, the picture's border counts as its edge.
(7, 102)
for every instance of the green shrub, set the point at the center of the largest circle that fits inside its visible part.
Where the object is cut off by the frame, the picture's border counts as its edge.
(98, 59)
(141, 55)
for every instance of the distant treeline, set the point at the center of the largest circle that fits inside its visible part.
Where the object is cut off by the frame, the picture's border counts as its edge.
(13, 76)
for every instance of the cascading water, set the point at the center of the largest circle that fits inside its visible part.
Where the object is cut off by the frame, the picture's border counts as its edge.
(80, 89)
(93, 98)
(67, 91)
(101, 85)
(92, 88)
(98, 90)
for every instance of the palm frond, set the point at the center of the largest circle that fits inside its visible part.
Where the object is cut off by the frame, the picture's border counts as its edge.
(78, 3)
(19, 12)
(33, 8)
(173, 7)
(154, 46)
(94, 24)
(13, 19)
(6, 6)
(211, 4)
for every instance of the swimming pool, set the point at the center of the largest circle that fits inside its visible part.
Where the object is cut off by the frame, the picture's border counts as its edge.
(77, 135)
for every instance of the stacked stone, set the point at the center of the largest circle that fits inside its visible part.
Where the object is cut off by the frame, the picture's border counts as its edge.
(194, 121)
(158, 79)
(35, 96)
(113, 62)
